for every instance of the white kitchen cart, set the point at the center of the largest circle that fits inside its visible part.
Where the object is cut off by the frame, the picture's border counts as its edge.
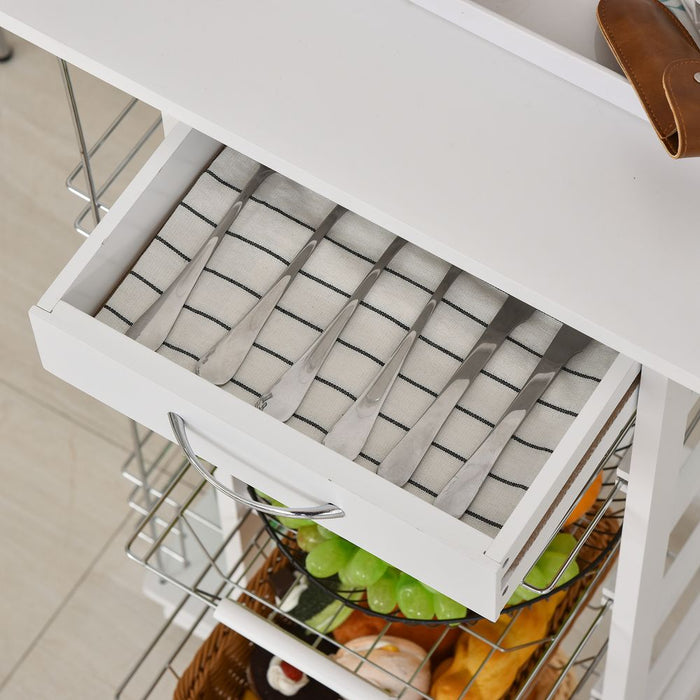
(526, 181)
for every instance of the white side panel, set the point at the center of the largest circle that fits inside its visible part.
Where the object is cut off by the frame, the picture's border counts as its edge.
(685, 684)
(687, 486)
(656, 459)
(679, 574)
(671, 658)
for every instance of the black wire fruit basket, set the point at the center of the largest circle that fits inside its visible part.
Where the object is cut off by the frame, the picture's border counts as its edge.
(601, 530)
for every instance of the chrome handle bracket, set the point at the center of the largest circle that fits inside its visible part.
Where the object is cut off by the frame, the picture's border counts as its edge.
(324, 512)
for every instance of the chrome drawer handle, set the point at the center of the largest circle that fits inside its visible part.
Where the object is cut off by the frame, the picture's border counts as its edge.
(314, 512)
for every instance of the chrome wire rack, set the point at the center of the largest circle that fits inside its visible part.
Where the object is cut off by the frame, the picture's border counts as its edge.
(96, 195)
(217, 565)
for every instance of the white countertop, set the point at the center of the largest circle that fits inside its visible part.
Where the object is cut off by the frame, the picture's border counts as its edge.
(515, 175)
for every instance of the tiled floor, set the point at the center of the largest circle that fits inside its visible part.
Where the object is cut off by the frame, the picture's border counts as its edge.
(73, 616)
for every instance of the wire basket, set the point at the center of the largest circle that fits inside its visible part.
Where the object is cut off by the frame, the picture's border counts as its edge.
(218, 670)
(247, 577)
(600, 528)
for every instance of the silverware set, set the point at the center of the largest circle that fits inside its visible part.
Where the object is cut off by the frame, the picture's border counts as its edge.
(349, 434)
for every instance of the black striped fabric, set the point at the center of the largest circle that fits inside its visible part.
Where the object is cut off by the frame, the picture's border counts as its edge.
(272, 227)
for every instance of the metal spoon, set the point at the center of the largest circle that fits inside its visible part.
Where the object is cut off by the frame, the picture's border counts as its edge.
(222, 361)
(289, 390)
(465, 484)
(153, 326)
(350, 433)
(401, 462)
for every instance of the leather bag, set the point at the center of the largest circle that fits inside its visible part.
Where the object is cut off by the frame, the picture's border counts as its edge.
(662, 61)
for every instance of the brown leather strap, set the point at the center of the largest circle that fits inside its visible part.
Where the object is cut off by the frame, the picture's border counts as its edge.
(681, 81)
(660, 59)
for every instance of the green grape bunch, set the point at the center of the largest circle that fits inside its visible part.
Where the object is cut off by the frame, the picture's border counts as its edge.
(387, 588)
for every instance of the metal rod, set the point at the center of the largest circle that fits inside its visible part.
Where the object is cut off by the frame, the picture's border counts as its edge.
(602, 572)
(579, 647)
(590, 528)
(80, 136)
(145, 489)
(119, 168)
(593, 664)
(96, 147)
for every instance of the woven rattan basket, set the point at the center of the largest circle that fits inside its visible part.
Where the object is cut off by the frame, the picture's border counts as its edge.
(218, 670)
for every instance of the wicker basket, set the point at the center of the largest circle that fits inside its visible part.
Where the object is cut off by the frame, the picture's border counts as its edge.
(218, 670)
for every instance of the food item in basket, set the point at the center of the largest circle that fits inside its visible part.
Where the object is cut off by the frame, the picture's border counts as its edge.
(249, 695)
(452, 675)
(361, 624)
(499, 671)
(329, 557)
(415, 600)
(332, 616)
(400, 658)
(447, 609)
(548, 676)
(269, 680)
(285, 678)
(587, 501)
(309, 537)
(547, 567)
(363, 569)
(329, 554)
(381, 595)
(316, 607)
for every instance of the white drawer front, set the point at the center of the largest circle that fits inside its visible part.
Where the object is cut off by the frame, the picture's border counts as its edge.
(459, 559)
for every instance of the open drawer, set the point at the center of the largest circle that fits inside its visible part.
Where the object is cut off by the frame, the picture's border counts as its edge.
(470, 563)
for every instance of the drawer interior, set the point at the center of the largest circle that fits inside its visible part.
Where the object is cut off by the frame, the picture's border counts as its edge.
(271, 228)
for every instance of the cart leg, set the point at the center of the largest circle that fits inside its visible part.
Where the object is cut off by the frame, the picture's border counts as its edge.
(5, 48)
(657, 456)
(80, 136)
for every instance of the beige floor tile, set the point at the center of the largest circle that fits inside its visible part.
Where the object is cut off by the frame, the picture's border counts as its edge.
(37, 150)
(62, 498)
(97, 637)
